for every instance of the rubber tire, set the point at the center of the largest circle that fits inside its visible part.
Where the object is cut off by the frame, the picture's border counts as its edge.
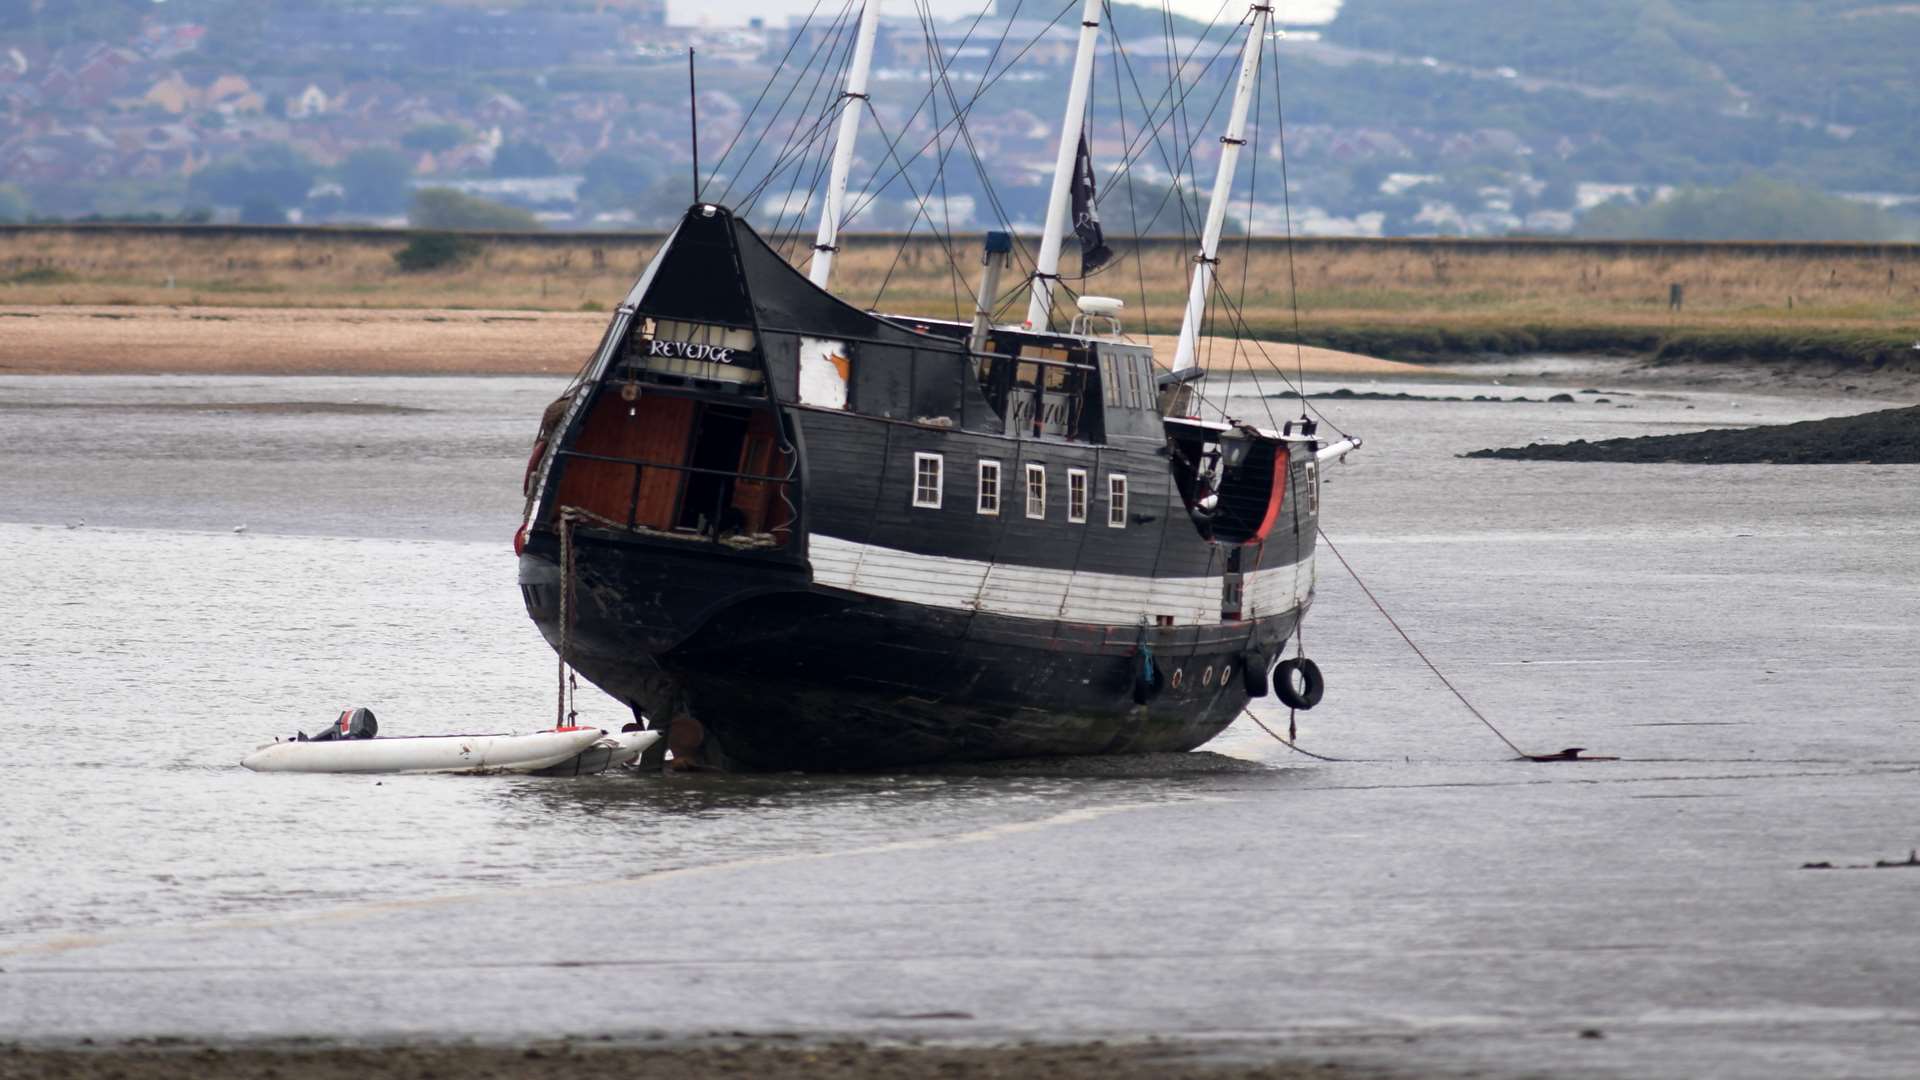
(1313, 685)
(1253, 674)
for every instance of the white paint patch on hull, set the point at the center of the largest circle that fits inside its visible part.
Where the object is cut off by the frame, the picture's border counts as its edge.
(1033, 593)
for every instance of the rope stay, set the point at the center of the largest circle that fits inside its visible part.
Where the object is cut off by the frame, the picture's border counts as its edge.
(1572, 753)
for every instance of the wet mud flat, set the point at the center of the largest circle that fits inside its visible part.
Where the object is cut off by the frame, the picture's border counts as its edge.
(1887, 437)
(605, 1060)
(1425, 904)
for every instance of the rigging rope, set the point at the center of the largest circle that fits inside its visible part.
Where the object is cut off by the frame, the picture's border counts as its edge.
(958, 120)
(773, 76)
(1564, 755)
(1286, 202)
(798, 142)
(827, 40)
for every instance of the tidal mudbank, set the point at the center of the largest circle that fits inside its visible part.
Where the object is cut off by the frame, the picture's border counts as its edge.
(1887, 437)
(593, 1060)
(1344, 394)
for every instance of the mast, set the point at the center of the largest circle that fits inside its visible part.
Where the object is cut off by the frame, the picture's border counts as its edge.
(1046, 268)
(1230, 144)
(827, 240)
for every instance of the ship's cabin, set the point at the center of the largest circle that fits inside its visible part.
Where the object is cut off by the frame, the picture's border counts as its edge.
(1088, 385)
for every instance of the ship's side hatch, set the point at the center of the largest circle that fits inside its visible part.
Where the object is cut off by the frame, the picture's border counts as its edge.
(677, 465)
(1233, 480)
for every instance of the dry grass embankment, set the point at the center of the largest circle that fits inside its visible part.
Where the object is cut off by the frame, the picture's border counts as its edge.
(1404, 299)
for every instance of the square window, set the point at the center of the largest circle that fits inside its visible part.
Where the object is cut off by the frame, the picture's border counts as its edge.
(1077, 495)
(1116, 501)
(989, 495)
(1036, 491)
(928, 472)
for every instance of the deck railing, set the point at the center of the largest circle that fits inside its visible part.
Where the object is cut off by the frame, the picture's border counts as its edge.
(721, 495)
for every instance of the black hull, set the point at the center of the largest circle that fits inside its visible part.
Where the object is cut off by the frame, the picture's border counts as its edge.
(813, 678)
(805, 536)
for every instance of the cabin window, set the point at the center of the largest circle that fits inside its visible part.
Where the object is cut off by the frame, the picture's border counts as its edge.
(1116, 501)
(927, 477)
(989, 495)
(1036, 491)
(1313, 487)
(1108, 382)
(1077, 495)
(1132, 364)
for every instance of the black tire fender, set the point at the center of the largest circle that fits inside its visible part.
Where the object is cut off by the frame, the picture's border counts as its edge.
(1312, 685)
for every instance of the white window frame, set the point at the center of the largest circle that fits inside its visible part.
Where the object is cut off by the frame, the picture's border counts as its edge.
(1116, 500)
(987, 487)
(1313, 486)
(939, 463)
(1077, 479)
(1033, 472)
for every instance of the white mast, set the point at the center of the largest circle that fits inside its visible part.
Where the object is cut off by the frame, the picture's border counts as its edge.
(827, 241)
(1046, 268)
(1222, 189)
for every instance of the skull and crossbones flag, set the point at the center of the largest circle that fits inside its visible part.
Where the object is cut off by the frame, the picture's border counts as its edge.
(1094, 251)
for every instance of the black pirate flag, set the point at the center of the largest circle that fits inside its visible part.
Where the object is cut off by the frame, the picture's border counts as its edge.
(1094, 251)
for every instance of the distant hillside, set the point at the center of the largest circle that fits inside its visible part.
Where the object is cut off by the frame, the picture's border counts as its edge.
(1816, 90)
(1403, 117)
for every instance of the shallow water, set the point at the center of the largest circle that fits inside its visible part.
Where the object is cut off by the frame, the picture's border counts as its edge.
(1747, 637)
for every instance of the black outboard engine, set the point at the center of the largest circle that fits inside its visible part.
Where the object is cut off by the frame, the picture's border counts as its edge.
(353, 724)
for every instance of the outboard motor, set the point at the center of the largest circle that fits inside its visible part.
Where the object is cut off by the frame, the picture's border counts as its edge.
(353, 724)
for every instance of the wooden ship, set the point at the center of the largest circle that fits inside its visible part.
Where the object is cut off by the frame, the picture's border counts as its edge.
(792, 533)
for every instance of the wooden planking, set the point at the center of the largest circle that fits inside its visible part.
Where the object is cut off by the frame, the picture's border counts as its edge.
(657, 432)
(1040, 593)
(759, 501)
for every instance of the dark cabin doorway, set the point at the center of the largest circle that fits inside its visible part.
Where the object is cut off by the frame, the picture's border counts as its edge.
(708, 503)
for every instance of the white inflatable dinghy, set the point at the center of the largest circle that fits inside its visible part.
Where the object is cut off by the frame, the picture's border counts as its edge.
(520, 753)
(613, 749)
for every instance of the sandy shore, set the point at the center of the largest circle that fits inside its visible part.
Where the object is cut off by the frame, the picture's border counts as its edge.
(353, 341)
(602, 1061)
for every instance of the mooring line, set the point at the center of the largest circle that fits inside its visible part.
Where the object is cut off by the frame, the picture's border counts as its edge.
(1572, 753)
(1289, 744)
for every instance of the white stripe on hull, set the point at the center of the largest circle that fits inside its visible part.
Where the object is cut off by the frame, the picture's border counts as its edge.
(1033, 593)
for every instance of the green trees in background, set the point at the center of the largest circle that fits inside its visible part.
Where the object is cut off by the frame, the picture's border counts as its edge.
(617, 179)
(435, 138)
(434, 251)
(522, 158)
(376, 180)
(262, 211)
(14, 205)
(1753, 209)
(445, 208)
(272, 171)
